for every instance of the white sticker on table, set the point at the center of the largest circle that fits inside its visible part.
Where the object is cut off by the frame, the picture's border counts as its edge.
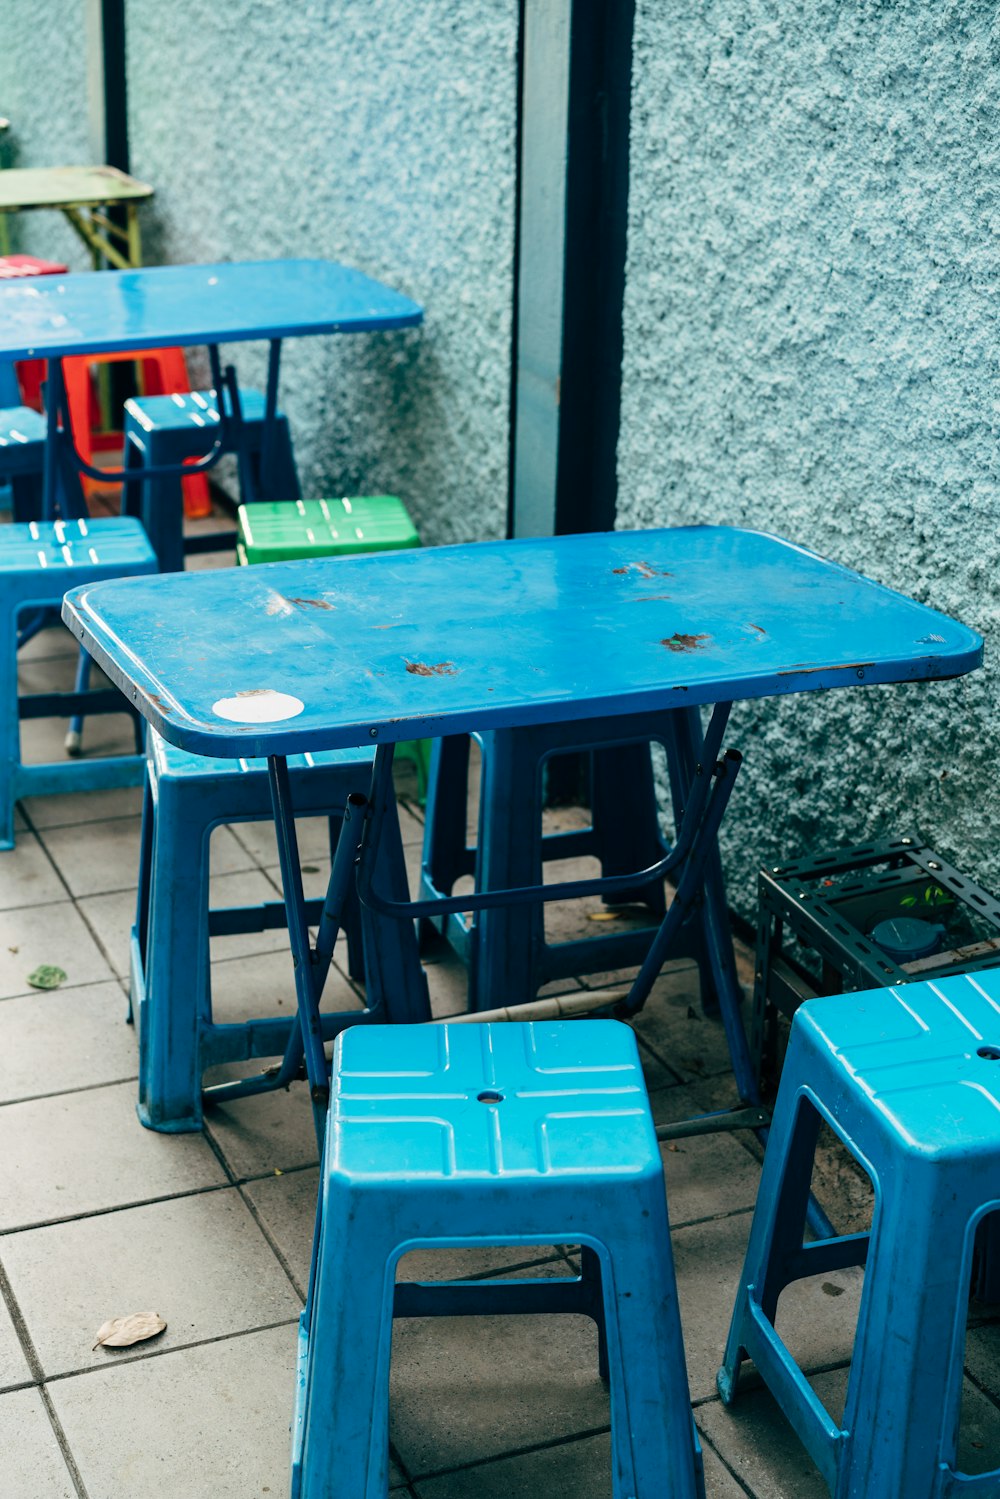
(258, 705)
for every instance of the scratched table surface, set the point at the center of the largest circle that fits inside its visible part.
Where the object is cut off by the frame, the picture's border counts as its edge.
(335, 652)
(170, 306)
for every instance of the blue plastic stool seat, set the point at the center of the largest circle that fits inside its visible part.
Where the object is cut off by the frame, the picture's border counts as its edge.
(169, 429)
(909, 1080)
(467, 1134)
(39, 561)
(186, 796)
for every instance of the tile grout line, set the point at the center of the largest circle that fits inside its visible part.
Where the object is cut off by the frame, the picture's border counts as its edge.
(63, 1443)
(710, 1446)
(114, 978)
(151, 1353)
(494, 1457)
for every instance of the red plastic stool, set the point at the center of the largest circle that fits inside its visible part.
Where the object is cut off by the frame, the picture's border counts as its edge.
(30, 372)
(12, 266)
(163, 373)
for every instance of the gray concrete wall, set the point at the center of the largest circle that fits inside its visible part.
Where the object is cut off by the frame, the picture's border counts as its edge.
(43, 92)
(811, 349)
(375, 132)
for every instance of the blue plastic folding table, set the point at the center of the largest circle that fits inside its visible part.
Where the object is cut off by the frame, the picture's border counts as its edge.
(621, 627)
(176, 306)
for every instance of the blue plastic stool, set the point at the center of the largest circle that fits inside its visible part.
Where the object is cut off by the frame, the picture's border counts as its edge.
(169, 429)
(505, 950)
(910, 1082)
(186, 796)
(461, 1135)
(22, 458)
(39, 561)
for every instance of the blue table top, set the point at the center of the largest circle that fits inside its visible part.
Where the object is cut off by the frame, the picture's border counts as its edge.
(178, 305)
(336, 651)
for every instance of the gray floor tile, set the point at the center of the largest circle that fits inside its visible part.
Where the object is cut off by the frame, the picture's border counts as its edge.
(674, 1027)
(55, 1040)
(200, 1261)
(242, 990)
(249, 887)
(81, 1152)
(47, 934)
(51, 644)
(708, 1258)
(286, 1205)
(258, 839)
(761, 1448)
(816, 1317)
(574, 1470)
(258, 1136)
(83, 806)
(719, 1482)
(516, 1382)
(32, 1466)
(110, 918)
(706, 1175)
(27, 877)
(43, 739)
(95, 857)
(14, 1369)
(153, 1426)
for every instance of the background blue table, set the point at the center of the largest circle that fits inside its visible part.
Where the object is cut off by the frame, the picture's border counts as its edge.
(180, 305)
(614, 628)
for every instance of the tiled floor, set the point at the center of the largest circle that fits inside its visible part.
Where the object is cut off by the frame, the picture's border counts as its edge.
(99, 1217)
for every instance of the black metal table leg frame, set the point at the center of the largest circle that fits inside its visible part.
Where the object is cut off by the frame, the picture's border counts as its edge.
(306, 1040)
(604, 885)
(311, 966)
(688, 887)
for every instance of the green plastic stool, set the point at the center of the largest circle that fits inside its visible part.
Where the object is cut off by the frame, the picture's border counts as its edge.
(285, 530)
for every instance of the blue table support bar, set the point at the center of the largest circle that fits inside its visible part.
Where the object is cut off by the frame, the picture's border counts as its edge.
(712, 779)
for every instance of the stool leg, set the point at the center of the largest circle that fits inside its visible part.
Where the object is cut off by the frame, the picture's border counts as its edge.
(652, 1430)
(394, 978)
(140, 929)
(590, 1271)
(904, 1397)
(778, 1227)
(509, 940)
(446, 856)
(162, 514)
(345, 1395)
(27, 492)
(10, 732)
(175, 1004)
(623, 799)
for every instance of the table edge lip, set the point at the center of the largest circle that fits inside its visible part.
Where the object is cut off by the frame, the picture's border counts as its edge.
(232, 742)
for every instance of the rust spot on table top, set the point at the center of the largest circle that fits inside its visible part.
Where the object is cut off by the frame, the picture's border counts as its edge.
(685, 643)
(425, 669)
(644, 569)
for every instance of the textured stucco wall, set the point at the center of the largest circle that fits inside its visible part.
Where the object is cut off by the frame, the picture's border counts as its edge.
(43, 92)
(811, 349)
(375, 132)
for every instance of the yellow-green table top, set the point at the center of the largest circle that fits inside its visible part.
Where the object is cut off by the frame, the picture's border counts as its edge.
(67, 187)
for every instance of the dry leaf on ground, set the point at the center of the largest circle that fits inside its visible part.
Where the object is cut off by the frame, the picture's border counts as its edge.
(122, 1332)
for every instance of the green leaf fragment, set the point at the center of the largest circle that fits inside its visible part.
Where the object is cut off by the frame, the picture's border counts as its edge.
(46, 976)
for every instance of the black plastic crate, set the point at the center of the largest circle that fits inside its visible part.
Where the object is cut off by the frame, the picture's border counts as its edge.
(816, 917)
